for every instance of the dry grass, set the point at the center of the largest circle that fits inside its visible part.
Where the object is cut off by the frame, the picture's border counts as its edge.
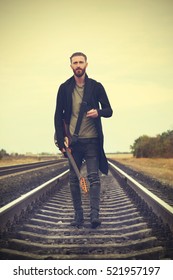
(157, 168)
(14, 160)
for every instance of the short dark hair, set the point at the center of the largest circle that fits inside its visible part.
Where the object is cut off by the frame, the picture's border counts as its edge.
(78, 54)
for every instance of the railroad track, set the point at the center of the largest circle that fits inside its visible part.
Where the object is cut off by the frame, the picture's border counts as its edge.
(6, 170)
(130, 226)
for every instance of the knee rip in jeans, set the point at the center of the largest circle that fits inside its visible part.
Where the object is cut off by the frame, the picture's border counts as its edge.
(93, 178)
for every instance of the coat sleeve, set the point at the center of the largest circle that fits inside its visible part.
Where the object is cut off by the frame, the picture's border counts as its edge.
(105, 110)
(59, 119)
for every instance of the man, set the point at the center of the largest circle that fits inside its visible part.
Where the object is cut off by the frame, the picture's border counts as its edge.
(89, 144)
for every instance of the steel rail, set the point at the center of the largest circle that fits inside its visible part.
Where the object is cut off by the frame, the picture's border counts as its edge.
(159, 207)
(9, 211)
(6, 170)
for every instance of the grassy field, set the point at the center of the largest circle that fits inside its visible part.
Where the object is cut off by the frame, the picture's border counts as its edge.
(157, 168)
(14, 160)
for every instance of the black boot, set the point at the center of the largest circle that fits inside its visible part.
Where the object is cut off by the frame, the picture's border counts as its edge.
(77, 204)
(78, 220)
(95, 221)
(94, 202)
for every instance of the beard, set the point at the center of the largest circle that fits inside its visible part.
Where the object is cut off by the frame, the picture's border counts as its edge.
(79, 72)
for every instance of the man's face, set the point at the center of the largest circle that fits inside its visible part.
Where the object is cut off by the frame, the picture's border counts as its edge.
(78, 65)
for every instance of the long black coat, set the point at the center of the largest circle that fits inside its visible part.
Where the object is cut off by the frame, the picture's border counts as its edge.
(96, 99)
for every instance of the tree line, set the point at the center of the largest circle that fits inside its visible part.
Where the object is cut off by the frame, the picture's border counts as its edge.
(4, 154)
(159, 146)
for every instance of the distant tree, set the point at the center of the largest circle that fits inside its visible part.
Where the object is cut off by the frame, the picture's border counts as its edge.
(3, 153)
(167, 143)
(140, 146)
(159, 146)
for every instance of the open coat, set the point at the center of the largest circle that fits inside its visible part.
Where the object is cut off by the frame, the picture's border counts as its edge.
(96, 99)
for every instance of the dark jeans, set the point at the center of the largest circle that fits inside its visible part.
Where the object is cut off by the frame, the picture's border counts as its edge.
(86, 150)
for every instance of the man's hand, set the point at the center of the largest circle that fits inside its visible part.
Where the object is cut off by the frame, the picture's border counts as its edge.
(93, 113)
(66, 143)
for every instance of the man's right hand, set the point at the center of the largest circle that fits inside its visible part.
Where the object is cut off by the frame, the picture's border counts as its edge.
(66, 143)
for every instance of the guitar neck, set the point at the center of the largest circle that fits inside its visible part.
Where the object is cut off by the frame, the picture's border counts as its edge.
(73, 163)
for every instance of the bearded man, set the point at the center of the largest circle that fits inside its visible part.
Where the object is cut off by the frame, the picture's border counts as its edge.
(89, 142)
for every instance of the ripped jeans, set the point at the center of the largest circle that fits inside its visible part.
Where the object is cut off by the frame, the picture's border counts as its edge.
(88, 150)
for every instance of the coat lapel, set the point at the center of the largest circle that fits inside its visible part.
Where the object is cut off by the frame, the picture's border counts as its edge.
(70, 84)
(69, 87)
(88, 92)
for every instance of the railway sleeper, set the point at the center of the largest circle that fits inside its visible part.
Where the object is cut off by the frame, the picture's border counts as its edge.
(151, 253)
(80, 246)
(87, 237)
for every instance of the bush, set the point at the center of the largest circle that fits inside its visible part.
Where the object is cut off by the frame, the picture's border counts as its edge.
(3, 153)
(159, 146)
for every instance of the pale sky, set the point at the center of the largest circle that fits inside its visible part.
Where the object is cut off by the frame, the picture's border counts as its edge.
(129, 44)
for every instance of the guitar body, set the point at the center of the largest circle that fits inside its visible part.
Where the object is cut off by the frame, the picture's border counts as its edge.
(83, 185)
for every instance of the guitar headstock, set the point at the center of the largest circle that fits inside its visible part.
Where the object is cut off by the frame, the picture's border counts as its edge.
(83, 185)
